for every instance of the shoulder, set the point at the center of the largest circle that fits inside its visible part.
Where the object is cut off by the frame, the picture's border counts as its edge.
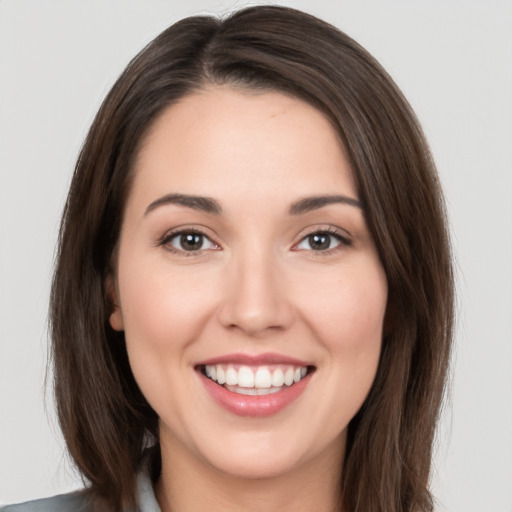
(72, 502)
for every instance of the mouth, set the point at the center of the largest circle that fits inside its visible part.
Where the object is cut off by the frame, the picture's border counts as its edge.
(254, 386)
(255, 380)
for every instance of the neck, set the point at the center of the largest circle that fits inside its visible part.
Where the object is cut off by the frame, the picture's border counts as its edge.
(188, 484)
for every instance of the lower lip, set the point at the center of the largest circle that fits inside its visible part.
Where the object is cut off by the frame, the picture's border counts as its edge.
(254, 406)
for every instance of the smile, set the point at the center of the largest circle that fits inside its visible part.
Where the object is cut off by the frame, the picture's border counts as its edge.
(255, 386)
(255, 381)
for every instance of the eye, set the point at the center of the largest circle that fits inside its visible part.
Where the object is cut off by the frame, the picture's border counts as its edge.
(188, 241)
(322, 241)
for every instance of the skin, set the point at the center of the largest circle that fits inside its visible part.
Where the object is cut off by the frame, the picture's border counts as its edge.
(255, 286)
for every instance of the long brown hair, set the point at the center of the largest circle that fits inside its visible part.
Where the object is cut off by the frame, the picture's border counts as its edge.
(106, 421)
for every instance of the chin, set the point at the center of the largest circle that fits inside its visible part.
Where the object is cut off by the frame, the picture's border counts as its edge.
(257, 466)
(265, 455)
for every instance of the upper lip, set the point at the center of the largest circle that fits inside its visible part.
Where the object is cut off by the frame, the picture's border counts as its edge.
(254, 360)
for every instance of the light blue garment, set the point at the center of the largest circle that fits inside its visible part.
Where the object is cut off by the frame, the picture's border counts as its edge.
(77, 501)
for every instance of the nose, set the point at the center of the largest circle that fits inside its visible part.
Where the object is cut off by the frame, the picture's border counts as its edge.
(256, 296)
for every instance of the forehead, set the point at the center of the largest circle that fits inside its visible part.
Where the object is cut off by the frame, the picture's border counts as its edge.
(220, 141)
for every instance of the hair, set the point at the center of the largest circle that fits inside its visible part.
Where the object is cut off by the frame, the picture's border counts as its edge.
(106, 422)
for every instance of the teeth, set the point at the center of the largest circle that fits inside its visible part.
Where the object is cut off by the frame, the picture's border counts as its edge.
(255, 381)
(263, 379)
(278, 378)
(252, 391)
(231, 377)
(245, 377)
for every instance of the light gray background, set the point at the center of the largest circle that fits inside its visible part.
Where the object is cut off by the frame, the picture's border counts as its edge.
(453, 60)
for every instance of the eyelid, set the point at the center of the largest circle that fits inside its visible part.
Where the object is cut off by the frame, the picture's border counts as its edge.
(341, 235)
(164, 240)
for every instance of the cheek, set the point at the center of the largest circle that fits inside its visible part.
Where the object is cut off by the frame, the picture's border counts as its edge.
(346, 316)
(162, 308)
(347, 313)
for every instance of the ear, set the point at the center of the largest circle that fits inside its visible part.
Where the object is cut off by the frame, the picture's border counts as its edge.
(116, 316)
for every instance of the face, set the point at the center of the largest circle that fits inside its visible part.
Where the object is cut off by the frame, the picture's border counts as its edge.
(248, 286)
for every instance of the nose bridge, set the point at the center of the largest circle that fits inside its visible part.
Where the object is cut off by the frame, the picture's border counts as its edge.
(256, 299)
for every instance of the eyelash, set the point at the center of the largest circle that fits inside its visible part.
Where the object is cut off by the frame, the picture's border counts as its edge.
(330, 232)
(169, 237)
(343, 239)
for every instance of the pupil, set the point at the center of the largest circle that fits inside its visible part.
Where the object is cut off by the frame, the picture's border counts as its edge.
(191, 241)
(319, 242)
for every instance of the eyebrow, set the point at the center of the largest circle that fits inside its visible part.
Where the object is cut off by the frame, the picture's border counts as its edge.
(209, 205)
(308, 204)
(205, 204)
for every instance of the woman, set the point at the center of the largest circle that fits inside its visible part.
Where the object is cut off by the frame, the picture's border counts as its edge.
(252, 305)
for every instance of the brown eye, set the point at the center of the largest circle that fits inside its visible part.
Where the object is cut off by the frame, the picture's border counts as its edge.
(319, 242)
(322, 241)
(189, 241)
